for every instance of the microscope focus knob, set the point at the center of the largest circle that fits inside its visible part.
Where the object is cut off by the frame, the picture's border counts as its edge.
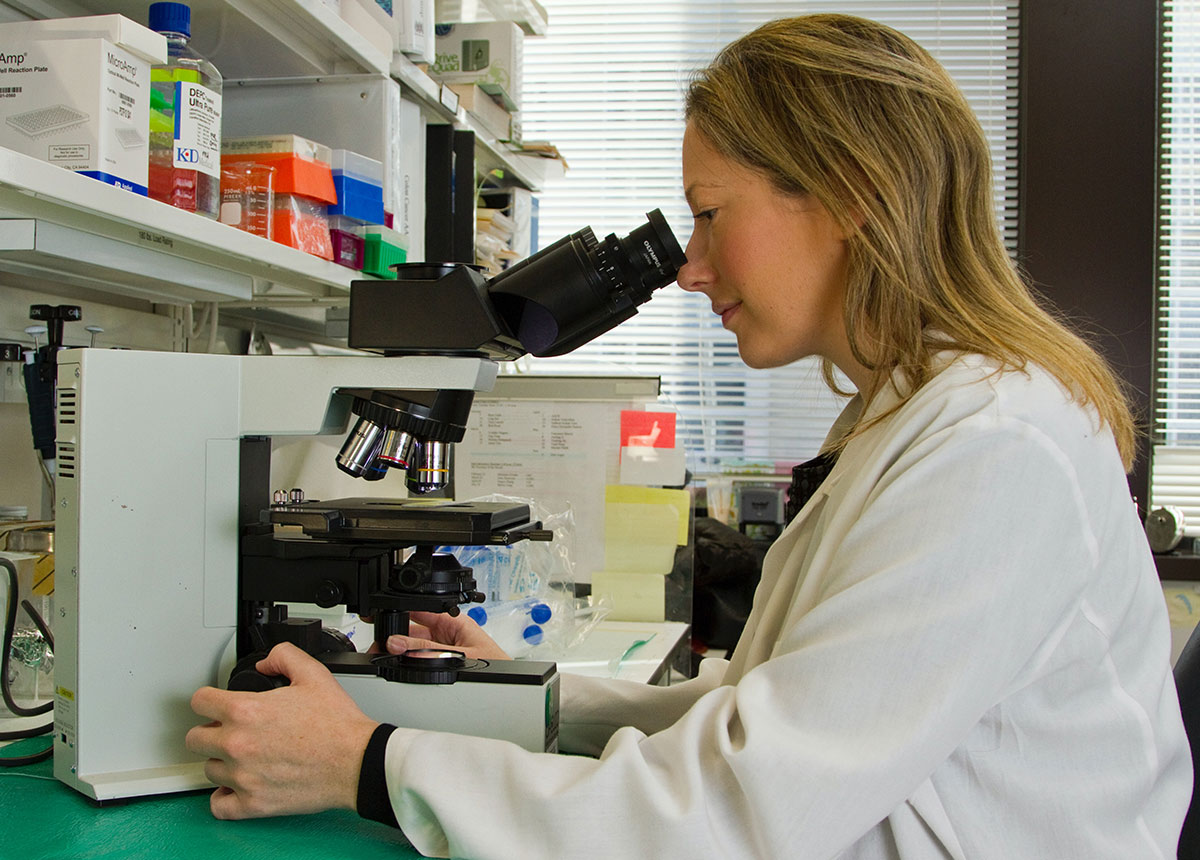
(253, 681)
(329, 593)
(246, 678)
(422, 666)
(411, 577)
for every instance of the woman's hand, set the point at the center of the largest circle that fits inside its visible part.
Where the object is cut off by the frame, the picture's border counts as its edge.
(439, 630)
(294, 749)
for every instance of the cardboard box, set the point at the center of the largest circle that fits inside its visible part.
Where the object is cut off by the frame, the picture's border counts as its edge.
(489, 113)
(490, 54)
(76, 92)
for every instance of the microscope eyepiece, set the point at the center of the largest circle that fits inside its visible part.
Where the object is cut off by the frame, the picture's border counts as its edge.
(579, 287)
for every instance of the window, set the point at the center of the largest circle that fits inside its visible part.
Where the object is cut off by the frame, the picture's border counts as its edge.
(606, 87)
(1175, 479)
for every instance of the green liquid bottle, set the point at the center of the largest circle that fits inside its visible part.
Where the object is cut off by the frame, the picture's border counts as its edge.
(185, 119)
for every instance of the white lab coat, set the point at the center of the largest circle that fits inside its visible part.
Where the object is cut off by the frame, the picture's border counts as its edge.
(959, 649)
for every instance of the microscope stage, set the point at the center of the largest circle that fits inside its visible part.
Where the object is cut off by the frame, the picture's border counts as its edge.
(411, 521)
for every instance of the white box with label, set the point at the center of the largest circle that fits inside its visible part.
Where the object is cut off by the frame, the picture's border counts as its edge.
(80, 103)
(414, 29)
(490, 54)
(121, 31)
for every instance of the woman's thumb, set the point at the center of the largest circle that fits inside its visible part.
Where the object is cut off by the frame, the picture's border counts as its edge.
(398, 644)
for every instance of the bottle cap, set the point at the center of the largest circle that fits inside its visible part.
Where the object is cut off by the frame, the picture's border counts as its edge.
(477, 614)
(532, 634)
(540, 613)
(171, 18)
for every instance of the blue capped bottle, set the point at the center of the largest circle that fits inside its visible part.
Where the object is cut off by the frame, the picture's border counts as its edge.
(185, 118)
(514, 625)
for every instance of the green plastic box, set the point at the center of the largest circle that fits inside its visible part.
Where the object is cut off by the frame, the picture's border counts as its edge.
(379, 255)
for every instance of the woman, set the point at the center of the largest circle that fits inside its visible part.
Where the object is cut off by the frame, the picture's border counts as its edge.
(959, 647)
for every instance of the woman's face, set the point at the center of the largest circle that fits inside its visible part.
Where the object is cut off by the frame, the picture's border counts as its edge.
(773, 265)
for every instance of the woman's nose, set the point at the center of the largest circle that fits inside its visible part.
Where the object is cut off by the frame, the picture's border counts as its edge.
(688, 278)
(692, 275)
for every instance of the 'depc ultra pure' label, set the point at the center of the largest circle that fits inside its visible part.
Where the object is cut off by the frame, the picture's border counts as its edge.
(197, 128)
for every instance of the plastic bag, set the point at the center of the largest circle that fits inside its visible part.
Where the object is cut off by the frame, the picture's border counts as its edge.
(527, 581)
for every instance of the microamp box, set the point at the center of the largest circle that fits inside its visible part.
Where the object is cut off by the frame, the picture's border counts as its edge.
(75, 92)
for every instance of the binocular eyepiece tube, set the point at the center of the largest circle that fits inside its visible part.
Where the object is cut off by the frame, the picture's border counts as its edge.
(550, 303)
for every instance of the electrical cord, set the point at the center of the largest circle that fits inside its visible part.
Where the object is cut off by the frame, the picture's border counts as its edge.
(39, 623)
(48, 478)
(10, 623)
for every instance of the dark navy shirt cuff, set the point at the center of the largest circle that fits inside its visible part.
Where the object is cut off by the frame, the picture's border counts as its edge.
(373, 801)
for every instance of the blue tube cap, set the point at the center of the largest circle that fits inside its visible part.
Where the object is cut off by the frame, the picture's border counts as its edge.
(170, 18)
(477, 614)
(540, 613)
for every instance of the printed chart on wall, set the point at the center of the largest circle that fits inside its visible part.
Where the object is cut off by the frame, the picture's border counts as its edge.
(557, 453)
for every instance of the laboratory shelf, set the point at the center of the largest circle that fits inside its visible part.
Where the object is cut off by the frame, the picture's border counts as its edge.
(274, 39)
(267, 38)
(529, 14)
(82, 231)
(71, 229)
(490, 154)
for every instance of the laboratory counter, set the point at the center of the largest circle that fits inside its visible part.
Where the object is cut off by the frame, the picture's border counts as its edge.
(46, 820)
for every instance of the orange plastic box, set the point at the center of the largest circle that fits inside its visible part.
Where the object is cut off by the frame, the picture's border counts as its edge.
(296, 175)
(303, 188)
(293, 174)
(300, 222)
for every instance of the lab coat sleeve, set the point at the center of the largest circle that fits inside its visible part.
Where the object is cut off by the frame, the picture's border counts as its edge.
(594, 708)
(943, 585)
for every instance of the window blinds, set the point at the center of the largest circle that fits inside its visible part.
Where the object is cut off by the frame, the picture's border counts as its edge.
(1175, 475)
(606, 84)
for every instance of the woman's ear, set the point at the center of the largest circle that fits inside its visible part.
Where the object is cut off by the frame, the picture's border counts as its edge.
(863, 196)
(857, 220)
(868, 198)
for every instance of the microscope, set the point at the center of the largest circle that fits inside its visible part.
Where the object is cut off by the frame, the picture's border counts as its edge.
(178, 566)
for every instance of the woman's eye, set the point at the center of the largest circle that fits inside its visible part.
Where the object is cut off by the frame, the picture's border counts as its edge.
(707, 213)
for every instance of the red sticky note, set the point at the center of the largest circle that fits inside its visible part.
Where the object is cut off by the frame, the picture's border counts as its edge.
(647, 429)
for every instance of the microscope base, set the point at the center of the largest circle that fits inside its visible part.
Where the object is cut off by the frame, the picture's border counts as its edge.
(509, 700)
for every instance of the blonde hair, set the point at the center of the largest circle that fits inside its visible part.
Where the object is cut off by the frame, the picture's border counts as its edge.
(867, 122)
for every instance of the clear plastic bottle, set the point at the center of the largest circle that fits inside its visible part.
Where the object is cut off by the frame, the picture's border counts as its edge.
(185, 119)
